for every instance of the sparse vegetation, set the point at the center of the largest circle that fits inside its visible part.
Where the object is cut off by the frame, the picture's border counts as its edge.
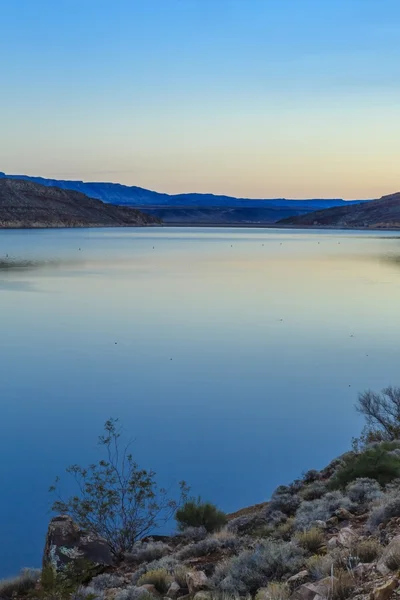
(117, 500)
(343, 585)
(275, 590)
(147, 551)
(179, 575)
(160, 578)
(20, 585)
(133, 593)
(311, 540)
(319, 566)
(367, 550)
(320, 510)
(106, 581)
(195, 513)
(253, 569)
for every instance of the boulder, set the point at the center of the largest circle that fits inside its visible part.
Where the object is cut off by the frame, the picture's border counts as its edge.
(362, 570)
(383, 592)
(381, 565)
(343, 514)
(321, 590)
(346, 537)
(296, 580)
(204, 595)
(197, 581)
(151, 589)
(66, 543)
(173, 590)
(332, 543)
(332, 522)
(320, 524)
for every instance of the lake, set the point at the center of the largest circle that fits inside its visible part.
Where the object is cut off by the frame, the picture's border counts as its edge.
(232, 356)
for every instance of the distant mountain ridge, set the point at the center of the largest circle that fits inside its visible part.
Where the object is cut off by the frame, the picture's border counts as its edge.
(376, 214)
(192, 208)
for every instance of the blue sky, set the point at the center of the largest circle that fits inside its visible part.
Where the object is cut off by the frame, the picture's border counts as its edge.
(259, 98)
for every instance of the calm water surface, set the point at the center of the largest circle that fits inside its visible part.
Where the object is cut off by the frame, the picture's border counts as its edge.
(238, 359)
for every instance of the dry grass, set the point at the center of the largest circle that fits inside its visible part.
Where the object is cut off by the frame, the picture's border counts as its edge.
(179, 575)
(367, 550)
(285, 530)
(319, 566)
(392, 558)
(275, 590)
(160, 578)
(343, 586)
(312, 540)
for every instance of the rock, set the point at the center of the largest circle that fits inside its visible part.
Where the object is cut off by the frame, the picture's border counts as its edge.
(343, 514)
(151, 589)
(296, 580)
(363, 569)
(381, 565)
(173, 590)
(321, 590)
(203, 595)
(332, 522)
(197, 581)
(383, 592)
(320, 524)
(346, 537)
(66, 542)
(332, 543)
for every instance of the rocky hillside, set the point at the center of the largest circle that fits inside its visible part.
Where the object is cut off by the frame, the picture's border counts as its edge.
(332, 534)
(376, 214)
(27, 204)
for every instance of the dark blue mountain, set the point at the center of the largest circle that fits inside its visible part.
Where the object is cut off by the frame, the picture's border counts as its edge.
(187, 209)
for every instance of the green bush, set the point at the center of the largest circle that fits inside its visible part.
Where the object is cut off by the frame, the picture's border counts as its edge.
(375, 463)
(195, 513)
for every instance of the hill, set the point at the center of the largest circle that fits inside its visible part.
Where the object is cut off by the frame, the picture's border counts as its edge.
(187, 209)
(376, 214)
(28, 204)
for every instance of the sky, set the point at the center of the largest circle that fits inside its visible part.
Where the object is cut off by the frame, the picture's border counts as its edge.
(252, 98)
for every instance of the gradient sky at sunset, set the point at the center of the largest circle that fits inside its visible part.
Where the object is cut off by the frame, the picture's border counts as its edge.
(257, 98)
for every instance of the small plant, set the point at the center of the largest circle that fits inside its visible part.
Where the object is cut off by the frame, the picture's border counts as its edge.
(367, 550)
(179, 575)
(311, 540)
(319, 566)
(134, 593)
(275, 590)
(284, 531)
(284, 502)
(210, 545)
(166, 563)
(116, 499)
(311, 476)
(106, 581)
(320, 510)
(195, 513)
(20, 585)
(146, 552)
(314, 490)
(193, 534)
(363, 490)
(374, 463)
(160, 578)
(387, 508)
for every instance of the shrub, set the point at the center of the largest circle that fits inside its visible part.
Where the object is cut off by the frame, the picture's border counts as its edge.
(20, 585)
(196, 513)
(374, 463)
(194, 534)
(311, 476)
(106, 581)
(167, 563)
(133, 593)
(275, 590)
(314, 490)
(253, 569)
(285, 530)
(320, 510)
(85, 593)
(388, 507)
(367, 550)
(382, 411)
(160, 578)
(311, 540)
(319, 566)
(117, 500)
(179, 575)
(363, 490)
(209, 546)
(284, 502)
(147, 551)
